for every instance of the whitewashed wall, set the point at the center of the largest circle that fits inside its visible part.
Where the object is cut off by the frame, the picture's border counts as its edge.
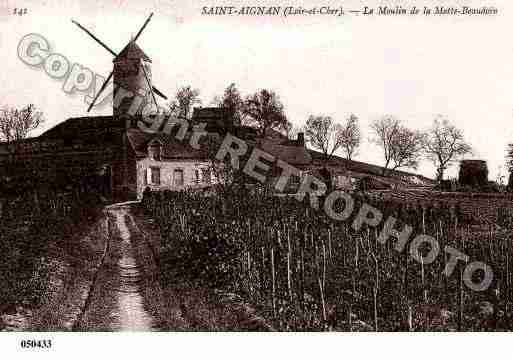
(167, 169)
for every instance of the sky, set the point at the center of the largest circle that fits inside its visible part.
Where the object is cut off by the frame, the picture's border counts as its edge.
(411, 67)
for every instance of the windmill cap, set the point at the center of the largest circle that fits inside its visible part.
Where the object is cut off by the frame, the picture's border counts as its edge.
(132, 51)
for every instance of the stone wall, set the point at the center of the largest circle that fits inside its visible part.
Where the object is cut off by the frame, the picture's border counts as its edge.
(71, 165)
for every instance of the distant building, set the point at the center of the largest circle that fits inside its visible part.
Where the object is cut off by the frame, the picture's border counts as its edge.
(473, 173)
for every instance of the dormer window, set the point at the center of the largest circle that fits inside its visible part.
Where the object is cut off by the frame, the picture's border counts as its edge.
(155, 150)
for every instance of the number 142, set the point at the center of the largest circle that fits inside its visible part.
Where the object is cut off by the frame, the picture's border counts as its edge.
(20, 11)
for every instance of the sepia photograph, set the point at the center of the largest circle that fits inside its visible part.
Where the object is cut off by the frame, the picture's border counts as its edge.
(259, 167)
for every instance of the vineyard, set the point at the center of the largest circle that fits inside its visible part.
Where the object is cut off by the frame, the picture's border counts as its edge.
(303, 271)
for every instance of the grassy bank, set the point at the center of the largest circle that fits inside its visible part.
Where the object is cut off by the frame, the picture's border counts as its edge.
(42, 242)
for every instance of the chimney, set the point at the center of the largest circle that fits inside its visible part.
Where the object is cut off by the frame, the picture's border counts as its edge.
(300, 139)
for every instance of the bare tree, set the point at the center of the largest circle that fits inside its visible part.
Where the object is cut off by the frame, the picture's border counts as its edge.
(509, 157)
(509, 165)
(185, 98)
(16, 124)
(401, 146)
(350, 136)
(292, 131)
(265, 111)
(323, 134)
(444, 144)
(500, 178)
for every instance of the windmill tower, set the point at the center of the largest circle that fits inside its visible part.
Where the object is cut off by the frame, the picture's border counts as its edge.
(133, 89)
(132, 76)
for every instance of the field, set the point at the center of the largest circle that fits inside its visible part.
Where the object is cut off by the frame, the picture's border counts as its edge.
(303, 271)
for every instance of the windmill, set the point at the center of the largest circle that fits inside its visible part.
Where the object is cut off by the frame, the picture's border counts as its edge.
(131, 72)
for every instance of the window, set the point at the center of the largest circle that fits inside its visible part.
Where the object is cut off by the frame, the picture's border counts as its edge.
(154, 150)
(295, 180)
(206, 175)
(196, 176)
(178, 177)
(154, 176)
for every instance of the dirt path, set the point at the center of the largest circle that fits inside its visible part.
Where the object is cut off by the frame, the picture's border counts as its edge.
(110, 281)
(118, 300)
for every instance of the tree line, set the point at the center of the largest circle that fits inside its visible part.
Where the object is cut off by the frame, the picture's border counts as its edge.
(443, 144)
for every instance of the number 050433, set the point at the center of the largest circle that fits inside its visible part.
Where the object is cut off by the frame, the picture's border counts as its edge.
(36, 344)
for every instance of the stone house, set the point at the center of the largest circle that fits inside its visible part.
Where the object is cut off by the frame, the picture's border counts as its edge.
(162, 162)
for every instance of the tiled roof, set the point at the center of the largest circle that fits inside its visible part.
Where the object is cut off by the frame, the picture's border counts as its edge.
(292, 154)
(358, 167)
(209, 113)
(81, 125)
(171, 147)
(138, 140)
(216, 118)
